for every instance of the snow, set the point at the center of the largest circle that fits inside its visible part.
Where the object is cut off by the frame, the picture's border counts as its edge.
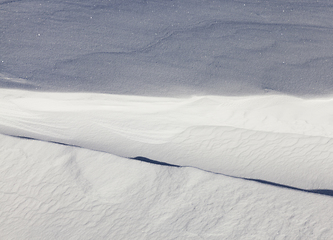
(51, 191)
(166, 119)
(168, 48)
(219, 144)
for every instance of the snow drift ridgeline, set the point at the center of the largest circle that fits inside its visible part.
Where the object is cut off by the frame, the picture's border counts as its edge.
(279, 139)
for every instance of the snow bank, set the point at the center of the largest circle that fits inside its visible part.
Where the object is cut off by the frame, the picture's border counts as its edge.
(281, 139)
(51, 191)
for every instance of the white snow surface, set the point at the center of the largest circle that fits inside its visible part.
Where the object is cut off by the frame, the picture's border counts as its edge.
(50, 191)
(76, 181)
(182, 119)
(276, 138)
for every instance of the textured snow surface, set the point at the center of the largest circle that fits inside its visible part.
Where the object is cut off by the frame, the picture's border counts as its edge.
(276, 138)
(58, 187)
(194, 138)
(51, 191)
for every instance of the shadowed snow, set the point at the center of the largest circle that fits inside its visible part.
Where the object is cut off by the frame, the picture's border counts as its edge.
(169, 48)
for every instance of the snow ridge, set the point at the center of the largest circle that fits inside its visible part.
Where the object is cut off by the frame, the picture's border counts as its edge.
(328, 192)
(52, 191)
(274, 138)
(56, 187)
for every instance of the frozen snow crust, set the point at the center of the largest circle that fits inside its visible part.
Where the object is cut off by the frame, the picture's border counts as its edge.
(76, 179)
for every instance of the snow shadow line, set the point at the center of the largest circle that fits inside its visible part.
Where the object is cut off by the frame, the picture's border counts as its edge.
(147, 160)
(36, 139)
(326, 192)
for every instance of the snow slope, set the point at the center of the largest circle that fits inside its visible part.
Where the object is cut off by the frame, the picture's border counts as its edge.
(56, 188)
(51, 191)
(215, 122)
(275, 138)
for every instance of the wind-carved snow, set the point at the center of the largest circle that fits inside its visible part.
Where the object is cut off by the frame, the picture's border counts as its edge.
(95, 166)
(275, 138)
(51, 191)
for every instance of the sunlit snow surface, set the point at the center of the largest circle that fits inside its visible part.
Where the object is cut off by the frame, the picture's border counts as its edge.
(57, 186)
(182, 119)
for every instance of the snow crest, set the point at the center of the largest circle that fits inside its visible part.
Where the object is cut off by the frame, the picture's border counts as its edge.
(275, 138)
(52, 191)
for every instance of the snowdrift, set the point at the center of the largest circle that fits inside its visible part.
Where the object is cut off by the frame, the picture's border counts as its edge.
(237, 160)
(275, 138)
(52, 191)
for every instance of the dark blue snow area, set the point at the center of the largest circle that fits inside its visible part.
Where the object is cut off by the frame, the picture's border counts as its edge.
(168, 48)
